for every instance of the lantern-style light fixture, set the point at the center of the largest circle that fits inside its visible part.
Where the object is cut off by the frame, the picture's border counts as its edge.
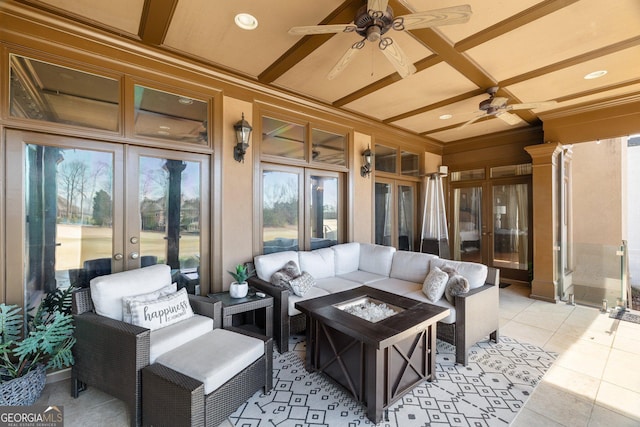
(243, 132)
(367, 160)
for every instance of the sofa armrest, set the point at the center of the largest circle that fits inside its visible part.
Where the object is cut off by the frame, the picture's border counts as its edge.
(477, 315)
(207, 306)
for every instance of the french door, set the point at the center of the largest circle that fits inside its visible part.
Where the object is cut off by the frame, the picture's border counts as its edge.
(395, 214)
(491, 223)
(78, 208)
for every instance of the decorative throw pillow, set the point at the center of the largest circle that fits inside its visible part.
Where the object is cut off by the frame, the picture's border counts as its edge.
(126, 301)
(162, 312)
(434, 284)
(456, 285)
(285, 274)
(301, 284)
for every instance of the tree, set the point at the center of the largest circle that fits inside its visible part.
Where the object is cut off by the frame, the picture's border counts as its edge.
(102, 208)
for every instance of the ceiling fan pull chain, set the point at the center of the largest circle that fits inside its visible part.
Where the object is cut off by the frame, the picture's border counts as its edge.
(398, 24)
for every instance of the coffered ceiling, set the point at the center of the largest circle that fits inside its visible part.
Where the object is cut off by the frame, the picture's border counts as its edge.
(533, 50)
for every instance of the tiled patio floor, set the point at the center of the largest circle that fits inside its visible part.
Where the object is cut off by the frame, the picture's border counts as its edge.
(594, 382)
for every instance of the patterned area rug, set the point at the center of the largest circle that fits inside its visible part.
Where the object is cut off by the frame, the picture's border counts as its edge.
(489, 391)
(625, 316)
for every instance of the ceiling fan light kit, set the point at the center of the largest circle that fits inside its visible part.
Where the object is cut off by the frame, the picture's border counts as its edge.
(374, 20)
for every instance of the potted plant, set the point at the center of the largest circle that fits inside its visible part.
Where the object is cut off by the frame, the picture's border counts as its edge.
(25, 355)
(240, 287)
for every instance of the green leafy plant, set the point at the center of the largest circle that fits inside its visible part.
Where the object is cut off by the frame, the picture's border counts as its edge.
(241, 274)
(47, 341)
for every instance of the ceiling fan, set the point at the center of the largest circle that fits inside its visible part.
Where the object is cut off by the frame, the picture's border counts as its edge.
(374, 20)
(497, 106)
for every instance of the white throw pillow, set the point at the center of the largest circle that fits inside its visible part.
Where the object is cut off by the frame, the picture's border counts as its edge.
(301, 284)
(434, 284)
(162, 312)
(126, 301)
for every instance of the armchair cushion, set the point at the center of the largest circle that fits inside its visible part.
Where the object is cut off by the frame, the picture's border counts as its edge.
(165, 339)
(214, 358)
(107, 291)
(151, 296)
(162, 312)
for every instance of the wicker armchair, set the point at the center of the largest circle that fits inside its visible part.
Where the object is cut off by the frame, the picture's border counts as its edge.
(110, 354)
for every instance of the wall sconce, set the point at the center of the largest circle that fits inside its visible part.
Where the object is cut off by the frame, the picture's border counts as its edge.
(367, 159)
(243, 132)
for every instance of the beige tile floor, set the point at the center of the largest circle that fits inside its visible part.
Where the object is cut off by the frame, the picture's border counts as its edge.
(594, 382)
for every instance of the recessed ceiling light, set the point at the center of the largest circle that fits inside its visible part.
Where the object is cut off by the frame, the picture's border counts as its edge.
(164, 127)
(163, 132)
(445, 117)
(185, 101)
(595, 74)
(246, 21)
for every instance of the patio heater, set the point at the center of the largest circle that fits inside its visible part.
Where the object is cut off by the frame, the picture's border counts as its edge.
(435, 238)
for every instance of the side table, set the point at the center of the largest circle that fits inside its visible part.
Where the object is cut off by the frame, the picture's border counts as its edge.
(251, 312)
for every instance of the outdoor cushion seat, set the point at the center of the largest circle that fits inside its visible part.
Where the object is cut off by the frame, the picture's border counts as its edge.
(314, 292)
(214, 358)
(172, 336)
(362, 277)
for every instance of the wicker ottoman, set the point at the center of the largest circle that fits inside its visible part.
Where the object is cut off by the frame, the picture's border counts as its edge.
(205, 380)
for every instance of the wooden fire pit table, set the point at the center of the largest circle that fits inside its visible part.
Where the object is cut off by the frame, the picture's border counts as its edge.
(377, 362)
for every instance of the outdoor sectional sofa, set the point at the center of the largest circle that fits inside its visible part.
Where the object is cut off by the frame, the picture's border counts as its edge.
(473, 316)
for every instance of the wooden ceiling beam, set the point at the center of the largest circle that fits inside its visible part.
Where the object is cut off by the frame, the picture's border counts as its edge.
(155, 20)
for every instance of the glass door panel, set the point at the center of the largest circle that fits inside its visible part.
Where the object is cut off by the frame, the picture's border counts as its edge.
(383, 214)
(323, 211)
(406, 217)
(511, 226)
(65, 193)
(467, 224)
(167, 221)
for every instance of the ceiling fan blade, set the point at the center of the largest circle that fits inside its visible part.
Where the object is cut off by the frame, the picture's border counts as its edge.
(377, 5)
(343, 62)
(531, 105)
(321, 29)
(399, 59)
(508, 118)
(432, 18)
(472, 120)
(498, 102)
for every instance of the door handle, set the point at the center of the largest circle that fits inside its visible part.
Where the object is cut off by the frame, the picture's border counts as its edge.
(134, 255)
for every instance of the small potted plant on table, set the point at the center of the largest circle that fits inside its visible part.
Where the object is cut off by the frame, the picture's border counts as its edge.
(240, 287)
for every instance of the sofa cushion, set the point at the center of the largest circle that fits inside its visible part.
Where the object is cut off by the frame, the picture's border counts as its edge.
(214, 358)
(347, 257)
(336, 284)
(411, 266)
(376, 259)
(314, 292)
(434, 284)
(442, 302)
(396, 286)
(107, 291)
(165, 339)
(474, 272)
(266, 265)
(362, 277)
(319, 263)
(163, 311)
(151, 296)
(300, 285)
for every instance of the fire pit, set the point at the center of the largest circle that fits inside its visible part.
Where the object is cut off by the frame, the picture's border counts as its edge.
(368, 308)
